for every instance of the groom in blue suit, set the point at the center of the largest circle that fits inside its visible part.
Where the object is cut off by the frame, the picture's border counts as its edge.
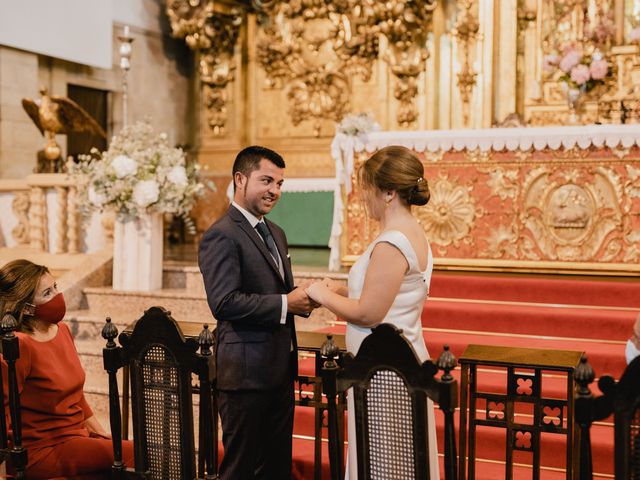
(247, 276)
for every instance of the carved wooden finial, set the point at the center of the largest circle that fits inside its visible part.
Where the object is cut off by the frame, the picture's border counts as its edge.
(205, 340)
(584, 375)
(446, 362)
(329, 350)
(109, 333)
(8, 324)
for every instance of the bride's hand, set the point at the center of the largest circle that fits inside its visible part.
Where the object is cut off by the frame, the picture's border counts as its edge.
(317, 290)
(334, 286)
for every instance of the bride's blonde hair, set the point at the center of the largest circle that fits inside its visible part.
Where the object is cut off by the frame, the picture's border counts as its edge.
(396, 168)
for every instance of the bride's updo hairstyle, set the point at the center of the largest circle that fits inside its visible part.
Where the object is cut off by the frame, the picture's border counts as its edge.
(396, 168)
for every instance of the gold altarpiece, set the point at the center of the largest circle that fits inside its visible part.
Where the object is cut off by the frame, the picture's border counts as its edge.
(565, 199)
(283, 73)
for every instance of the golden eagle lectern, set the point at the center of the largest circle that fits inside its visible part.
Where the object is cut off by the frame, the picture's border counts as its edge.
(58, 115)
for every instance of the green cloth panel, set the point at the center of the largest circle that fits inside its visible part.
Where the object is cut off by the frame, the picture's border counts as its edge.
(306, 217)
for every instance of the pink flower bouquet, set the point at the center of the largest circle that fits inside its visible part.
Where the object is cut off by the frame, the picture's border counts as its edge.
(578, 70)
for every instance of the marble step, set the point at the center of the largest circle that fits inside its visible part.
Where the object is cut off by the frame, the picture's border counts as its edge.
(184, 305)
(176, 275)
(182, 276)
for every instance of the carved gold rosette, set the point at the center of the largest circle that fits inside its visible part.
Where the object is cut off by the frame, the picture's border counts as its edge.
(450, 213)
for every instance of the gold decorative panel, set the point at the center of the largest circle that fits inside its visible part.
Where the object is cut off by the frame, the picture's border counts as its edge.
(283, 73)
(569, 207)
(212, 31)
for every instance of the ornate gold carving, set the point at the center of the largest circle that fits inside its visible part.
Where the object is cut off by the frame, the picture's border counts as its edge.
(503, 183)
(314, 48)
(310, 47)
(621, 103)
(589, 25)
(466, 31)
(405, 24)
(433, 157)
(477, 155)
(449, 215)
(570, 214)
(213, 34)
(512, 120)
(570, 211)
(20, 208)
(358, 227)
(547, 117)
(575, 153)
(632, 186)
(502, 243)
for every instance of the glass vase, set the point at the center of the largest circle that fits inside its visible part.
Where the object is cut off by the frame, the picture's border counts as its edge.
(574, 96)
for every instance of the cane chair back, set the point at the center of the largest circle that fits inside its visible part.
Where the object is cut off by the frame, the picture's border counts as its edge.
(161, 362)
(390, 388)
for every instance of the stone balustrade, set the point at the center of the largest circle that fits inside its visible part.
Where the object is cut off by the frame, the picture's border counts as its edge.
(14, 204)
(45, 213)
(53, 213)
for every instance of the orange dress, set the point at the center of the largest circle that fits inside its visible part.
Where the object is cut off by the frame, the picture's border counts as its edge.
(53, 408)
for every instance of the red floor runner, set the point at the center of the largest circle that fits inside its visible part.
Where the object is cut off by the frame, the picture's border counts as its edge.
(559, 321)
(481, 318)
(622, 292)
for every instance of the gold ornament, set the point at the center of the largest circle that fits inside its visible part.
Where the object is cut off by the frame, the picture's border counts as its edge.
(449, 215)
(213, 33)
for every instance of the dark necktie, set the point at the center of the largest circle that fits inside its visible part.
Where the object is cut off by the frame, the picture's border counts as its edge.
(264, 232)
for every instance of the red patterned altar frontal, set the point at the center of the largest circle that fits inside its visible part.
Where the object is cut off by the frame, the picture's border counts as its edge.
(541, 208)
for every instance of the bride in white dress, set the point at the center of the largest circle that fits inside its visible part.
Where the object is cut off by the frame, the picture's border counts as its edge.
(390, 281)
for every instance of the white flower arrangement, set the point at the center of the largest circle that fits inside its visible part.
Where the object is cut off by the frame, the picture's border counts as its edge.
(139, 173)
(356, 124)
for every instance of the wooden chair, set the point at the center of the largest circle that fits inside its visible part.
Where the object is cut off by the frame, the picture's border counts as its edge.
(15, 454)
(161, 363)
(390, 389)
(622, 399)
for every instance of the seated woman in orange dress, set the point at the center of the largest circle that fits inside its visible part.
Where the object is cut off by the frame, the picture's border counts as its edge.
(62, 436)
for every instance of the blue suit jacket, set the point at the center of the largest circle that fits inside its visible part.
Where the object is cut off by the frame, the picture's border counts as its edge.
(244, 291)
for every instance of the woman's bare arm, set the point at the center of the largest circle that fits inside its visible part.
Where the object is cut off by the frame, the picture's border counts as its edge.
(386, 269)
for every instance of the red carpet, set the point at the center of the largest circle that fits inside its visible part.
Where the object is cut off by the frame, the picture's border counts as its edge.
(594, 315)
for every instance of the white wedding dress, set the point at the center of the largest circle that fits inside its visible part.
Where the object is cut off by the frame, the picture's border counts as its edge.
(404, 313)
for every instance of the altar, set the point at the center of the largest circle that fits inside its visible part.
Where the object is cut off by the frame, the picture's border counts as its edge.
(557, 200)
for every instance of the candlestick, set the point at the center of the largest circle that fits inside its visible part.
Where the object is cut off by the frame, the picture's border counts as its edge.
(125, 65)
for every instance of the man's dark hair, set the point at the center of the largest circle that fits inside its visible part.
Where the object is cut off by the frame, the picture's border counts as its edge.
(248, 160)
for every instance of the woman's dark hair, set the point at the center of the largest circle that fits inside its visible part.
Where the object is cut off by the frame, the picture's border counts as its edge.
(19, 280)
(396, 168)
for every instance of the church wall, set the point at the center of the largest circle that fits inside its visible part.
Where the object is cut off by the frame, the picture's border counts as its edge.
(159, 89)
(19, 137)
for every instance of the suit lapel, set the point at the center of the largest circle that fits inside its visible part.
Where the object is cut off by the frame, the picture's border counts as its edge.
(244, 224)
(282, 250)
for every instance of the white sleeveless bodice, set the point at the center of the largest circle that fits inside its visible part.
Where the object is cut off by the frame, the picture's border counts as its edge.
(406, 310)
(405, 313)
